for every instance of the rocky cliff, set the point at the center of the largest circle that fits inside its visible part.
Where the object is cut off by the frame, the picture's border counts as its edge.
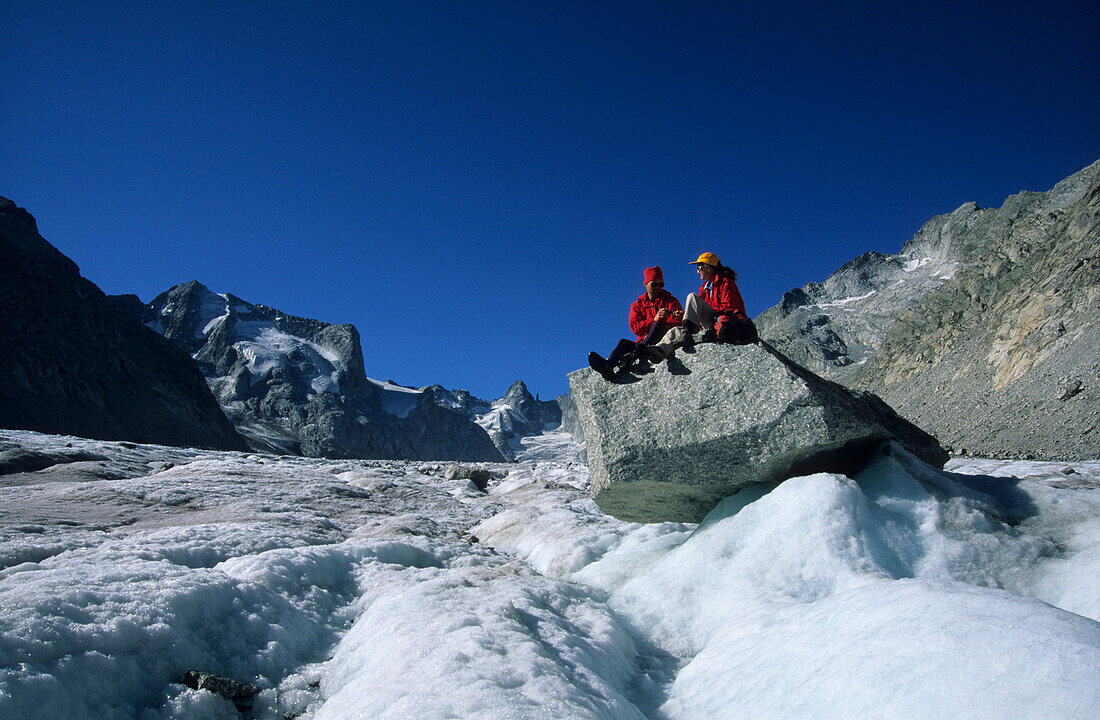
(74, 364)
(296, 385)
(984, 330)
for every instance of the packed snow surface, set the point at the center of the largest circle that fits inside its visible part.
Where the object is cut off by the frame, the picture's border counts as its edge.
(379, 589)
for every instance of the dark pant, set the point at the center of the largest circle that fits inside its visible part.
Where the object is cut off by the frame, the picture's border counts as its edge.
(656, 332)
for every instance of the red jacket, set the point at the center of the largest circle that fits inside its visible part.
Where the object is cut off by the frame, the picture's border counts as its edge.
(724, 296)
(644, 310)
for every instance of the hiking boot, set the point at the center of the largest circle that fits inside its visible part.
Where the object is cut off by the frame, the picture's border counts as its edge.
(625, 362)
(597, 363)
(650, 353)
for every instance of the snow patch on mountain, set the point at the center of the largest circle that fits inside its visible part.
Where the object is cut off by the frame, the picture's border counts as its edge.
(265, 348)
(397, 400)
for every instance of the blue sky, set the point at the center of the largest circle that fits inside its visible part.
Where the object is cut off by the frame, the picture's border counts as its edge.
(477, 186)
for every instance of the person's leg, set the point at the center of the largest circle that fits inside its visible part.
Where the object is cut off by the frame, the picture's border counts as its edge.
(623, 352)
(624, 348)
(697, 313)
(671, 340)
(656, 332)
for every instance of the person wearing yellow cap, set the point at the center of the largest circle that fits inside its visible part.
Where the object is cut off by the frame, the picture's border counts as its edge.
(717, 308)
(652, 315)
(718, 305)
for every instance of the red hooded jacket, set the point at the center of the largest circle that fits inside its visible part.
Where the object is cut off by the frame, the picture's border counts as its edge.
(644, 310)
(724, 296)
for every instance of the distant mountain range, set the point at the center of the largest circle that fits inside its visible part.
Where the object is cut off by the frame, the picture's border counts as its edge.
(202, 369)
(296, 385)
(984, 329)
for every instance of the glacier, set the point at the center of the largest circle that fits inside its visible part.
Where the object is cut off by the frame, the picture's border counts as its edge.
(379, 589)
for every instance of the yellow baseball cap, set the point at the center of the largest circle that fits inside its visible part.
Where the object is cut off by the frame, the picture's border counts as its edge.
(706, 259)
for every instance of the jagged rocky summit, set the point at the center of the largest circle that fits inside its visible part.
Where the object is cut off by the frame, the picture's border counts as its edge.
(515, 416)
(703, 425)
(76, 365)
(985, 329)
(507, 420)
(297, 385)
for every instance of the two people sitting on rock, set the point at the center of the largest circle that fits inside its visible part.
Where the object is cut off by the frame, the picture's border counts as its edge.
(661, 325)
(652, 315)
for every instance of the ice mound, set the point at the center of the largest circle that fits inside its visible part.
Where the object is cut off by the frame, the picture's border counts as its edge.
(903, 592)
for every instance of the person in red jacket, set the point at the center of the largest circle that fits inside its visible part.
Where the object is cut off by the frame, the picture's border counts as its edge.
(652, 315)
(716, 308)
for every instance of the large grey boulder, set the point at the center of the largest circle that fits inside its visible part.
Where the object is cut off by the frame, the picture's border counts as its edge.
(670, 445)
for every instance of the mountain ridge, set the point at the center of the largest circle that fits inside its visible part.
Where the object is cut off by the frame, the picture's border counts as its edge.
(76, 365)
(299, 385)
(983, 329)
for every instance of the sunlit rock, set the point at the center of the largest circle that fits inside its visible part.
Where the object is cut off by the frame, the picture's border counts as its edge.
(672, 444)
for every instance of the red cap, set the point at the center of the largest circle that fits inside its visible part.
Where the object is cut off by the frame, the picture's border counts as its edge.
(651, 274)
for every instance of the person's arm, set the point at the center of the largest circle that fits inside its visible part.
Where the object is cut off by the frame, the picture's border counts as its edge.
(675, 312)
(729, 300)
(639, 324)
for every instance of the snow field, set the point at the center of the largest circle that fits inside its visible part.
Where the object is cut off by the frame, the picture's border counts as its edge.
(900, 593)
(351, 589)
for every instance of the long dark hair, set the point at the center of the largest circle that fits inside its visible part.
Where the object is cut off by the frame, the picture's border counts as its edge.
(721, 270)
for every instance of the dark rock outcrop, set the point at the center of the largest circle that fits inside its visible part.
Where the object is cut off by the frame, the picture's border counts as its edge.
(672, 444)
(241, 694)
(480, 477)
(570, 419)
(984, 329)
(22, 460)
(75, 365)
(297, 385)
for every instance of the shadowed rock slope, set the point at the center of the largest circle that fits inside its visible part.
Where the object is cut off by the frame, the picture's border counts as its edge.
(985, 329)
(75, 365)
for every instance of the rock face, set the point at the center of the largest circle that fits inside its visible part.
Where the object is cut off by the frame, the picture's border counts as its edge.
(985, 329)
(507, 420)
(672, 444)
(75, 365)
(517, 415)
(298, 386)
(570, 419)
(832, 328)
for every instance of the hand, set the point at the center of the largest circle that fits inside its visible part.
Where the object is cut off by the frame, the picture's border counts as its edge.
(662, 314)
